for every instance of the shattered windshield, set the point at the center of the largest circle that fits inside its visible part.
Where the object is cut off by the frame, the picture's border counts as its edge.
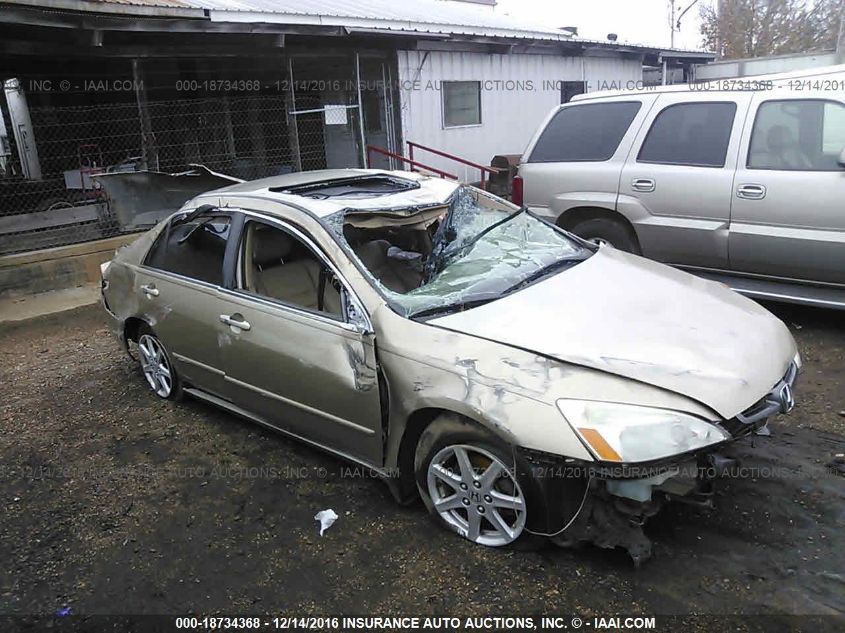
(474, 249)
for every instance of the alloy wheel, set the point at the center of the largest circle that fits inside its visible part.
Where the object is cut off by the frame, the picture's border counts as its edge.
(155, 365)
(475, 493)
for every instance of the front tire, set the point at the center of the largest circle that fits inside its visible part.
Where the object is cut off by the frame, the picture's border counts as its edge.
(470, 483)
(156, 366)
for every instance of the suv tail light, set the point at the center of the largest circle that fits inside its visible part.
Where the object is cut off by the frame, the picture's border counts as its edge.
(517, 196)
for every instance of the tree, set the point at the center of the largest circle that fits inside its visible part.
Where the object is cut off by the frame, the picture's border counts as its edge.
(755, 28)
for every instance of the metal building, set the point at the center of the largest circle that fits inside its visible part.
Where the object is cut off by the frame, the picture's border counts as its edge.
(252, 88)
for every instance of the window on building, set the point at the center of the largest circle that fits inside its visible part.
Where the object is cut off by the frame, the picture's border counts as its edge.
(192, 249)
(692, 134)
(797, 135)
(461, 103)
(589, 132)
(569, 89)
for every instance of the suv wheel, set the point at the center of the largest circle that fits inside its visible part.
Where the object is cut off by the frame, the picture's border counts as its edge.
(607, 231)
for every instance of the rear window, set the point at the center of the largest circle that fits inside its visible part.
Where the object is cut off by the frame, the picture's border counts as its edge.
(588, 132)
(192, 249)
(692, 134)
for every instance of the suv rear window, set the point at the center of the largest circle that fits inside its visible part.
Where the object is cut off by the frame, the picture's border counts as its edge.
(693, 134)
(588, 132)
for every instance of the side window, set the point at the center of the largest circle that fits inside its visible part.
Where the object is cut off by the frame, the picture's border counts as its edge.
(589, 132)
(833, 129)
(279, 266)
(192, 249)
(692, 134)
(797, 135)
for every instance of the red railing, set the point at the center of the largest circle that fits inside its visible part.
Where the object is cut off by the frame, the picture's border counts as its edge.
(409, 161)
(484, 169)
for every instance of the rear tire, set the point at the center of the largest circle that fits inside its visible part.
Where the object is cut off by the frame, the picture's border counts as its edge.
(472, 483)
(156, 365)
(605, 230)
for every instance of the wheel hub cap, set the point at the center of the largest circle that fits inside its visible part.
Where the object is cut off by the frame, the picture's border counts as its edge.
(155, 365)
(476, 494)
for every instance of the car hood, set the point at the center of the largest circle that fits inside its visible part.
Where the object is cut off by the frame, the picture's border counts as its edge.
(636, 318)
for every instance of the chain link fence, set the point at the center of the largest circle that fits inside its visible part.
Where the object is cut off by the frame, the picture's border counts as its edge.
(274, 127)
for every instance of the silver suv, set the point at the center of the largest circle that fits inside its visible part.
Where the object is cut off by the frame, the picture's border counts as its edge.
(741, 181)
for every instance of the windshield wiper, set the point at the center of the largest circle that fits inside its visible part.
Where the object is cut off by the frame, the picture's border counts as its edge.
(545, 271)
(451, 307)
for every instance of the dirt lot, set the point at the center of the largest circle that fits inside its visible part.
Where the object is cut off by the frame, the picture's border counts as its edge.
(116, 502)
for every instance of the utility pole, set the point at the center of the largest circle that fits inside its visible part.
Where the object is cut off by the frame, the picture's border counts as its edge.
(672, 24)
(675, 23)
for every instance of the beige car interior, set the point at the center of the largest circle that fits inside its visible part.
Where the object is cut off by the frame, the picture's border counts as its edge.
(393, 247)
(279, 266)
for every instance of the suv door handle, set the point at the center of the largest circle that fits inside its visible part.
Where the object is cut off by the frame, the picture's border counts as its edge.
(235, 320)
(150, 290)
(751, 192)
(642, 184)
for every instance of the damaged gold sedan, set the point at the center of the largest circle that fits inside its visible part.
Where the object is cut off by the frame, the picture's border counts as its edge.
(524, 383)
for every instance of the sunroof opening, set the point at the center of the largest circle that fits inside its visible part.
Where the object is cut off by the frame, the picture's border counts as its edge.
(353, 187)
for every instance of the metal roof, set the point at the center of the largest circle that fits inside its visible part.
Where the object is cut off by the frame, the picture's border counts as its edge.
(429, 19)
(439, 17)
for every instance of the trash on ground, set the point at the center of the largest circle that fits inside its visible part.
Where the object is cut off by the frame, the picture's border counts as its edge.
(326, 519)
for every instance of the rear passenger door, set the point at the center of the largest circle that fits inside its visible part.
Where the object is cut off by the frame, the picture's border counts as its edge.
(788, 217)
(676, 184)
(178, 287)
(296, 345)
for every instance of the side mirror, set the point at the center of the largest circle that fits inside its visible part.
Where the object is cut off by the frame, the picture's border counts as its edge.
(841, 159)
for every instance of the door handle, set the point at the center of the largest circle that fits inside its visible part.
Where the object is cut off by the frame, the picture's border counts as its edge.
(642, 184)
(751, 192)
(150, 290)
(235, 322)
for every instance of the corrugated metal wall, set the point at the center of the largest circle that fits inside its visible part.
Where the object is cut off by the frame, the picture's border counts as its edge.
(510, 113)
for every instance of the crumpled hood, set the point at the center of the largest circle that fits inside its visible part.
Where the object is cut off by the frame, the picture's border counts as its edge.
(636, 318)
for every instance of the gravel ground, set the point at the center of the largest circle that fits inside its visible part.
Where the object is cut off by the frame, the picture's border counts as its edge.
(116, 502)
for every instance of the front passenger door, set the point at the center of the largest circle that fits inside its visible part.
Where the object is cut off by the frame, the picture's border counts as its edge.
(291, 354)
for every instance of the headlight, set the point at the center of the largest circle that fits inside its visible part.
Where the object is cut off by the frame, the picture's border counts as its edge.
(630, 433)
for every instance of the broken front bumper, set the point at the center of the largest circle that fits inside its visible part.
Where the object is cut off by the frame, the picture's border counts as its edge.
(607, 504)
